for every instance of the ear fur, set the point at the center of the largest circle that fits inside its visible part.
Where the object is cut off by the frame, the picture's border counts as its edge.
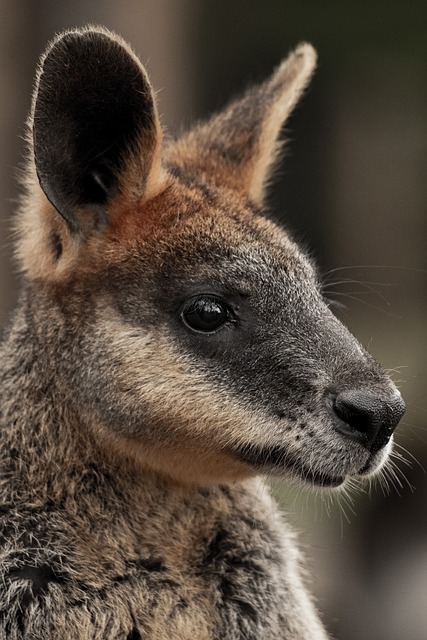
(238, 147)
(95, 129)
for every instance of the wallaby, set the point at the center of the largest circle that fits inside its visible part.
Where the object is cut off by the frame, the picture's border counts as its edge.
(171, 344)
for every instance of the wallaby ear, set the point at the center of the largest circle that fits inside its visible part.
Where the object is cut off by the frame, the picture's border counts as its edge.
(238, 147)
(96, 132)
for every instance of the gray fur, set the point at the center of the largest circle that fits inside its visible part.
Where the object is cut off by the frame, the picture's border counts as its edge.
(131, 442)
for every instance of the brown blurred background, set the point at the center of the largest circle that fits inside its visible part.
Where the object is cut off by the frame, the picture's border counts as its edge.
(352, 187)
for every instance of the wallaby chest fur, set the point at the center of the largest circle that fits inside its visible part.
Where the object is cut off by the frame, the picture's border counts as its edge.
(170, 345)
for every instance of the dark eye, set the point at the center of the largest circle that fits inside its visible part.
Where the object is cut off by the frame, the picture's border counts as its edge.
(205, 313)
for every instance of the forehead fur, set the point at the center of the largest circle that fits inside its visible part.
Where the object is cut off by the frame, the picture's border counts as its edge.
(188, 225)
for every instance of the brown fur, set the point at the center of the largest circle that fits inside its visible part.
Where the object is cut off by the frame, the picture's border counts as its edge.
(131, 438)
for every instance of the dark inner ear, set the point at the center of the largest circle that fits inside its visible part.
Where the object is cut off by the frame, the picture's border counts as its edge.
(94, 107)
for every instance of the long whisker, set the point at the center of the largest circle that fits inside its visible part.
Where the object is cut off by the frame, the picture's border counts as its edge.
(367, 288)
(375, 266)
(365, 302)
(407, 453)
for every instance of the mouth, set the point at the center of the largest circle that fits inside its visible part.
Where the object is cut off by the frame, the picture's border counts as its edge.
(275, 460)
(376, 460)
(370, 468)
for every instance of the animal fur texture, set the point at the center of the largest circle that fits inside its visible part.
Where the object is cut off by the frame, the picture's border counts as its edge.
(170, 345)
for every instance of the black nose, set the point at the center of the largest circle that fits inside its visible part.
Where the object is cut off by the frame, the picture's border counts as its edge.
(366, 418)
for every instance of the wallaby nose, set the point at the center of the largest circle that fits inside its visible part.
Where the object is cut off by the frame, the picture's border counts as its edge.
(366, 418)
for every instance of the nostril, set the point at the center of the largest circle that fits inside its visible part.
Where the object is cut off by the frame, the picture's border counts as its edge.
(353, 409)
(366, 418)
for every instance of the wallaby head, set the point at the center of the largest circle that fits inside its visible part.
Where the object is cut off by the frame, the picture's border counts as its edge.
(188, 330)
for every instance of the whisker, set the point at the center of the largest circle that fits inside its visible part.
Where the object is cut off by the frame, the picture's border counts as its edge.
(375, 266)
(417, 407)
(367, 290)
(407, 453)
(366, 303)
(372, 283)
(396, 369)
(396, 471)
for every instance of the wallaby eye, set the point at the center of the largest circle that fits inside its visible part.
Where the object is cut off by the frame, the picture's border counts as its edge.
(205, 313)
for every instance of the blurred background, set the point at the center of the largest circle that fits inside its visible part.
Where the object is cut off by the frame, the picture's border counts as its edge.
(352, 187)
